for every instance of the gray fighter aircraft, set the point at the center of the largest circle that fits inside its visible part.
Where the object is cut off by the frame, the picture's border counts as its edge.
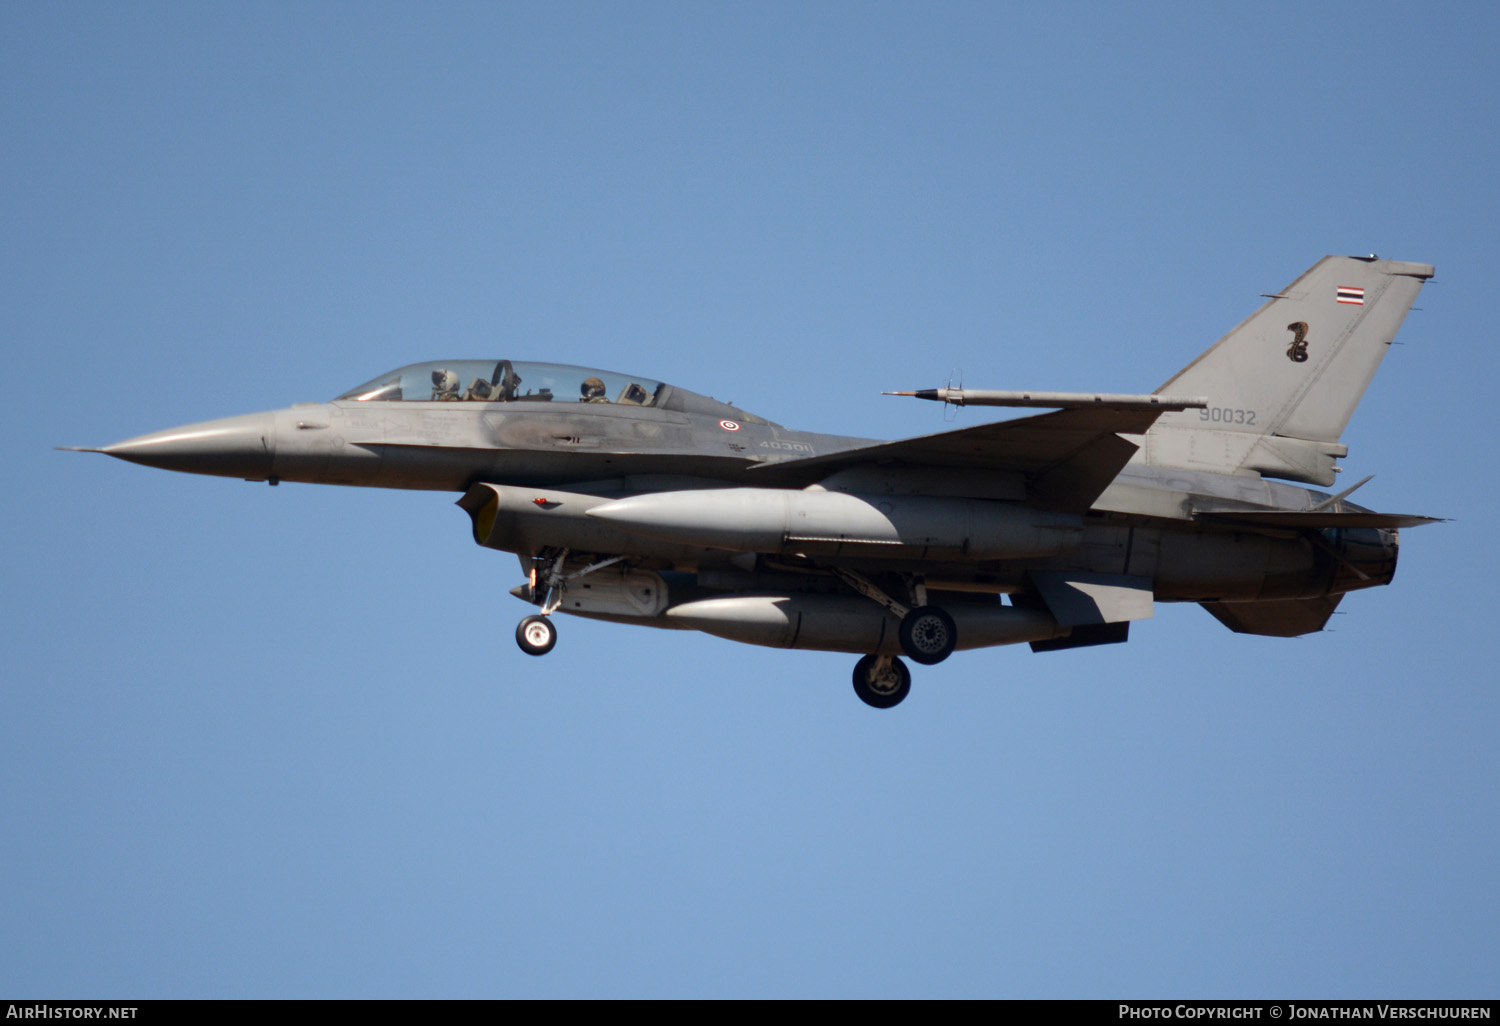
(639, 502)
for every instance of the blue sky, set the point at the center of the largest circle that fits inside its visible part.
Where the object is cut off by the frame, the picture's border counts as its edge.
(280, 742)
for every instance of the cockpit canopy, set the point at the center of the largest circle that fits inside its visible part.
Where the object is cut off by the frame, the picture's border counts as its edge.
(505, 381)
(502, 381)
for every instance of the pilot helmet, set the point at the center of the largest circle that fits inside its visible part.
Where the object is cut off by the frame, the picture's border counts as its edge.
(444, 381)
(592, 388)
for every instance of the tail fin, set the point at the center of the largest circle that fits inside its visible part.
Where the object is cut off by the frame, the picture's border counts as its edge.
(1282, 386)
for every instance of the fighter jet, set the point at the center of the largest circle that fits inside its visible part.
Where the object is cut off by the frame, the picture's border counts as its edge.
(631, 500)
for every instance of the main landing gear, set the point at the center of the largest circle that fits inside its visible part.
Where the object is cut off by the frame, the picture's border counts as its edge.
(928, 635)
(881, 681)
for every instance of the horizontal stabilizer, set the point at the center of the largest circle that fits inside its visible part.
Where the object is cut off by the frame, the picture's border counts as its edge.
(1315, 521)
(1284, 619)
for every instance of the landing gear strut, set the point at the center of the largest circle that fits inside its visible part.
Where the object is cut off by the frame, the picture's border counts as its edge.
(881, 681)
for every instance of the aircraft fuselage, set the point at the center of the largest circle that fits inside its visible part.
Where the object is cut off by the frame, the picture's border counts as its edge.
(606, 452)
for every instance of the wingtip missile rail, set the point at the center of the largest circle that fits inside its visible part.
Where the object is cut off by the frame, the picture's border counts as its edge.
(1057, 400)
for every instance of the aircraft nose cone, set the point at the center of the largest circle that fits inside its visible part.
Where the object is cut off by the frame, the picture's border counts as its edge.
(231, 447)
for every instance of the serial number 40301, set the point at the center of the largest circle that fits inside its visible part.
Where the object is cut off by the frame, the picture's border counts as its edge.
(1225, 415)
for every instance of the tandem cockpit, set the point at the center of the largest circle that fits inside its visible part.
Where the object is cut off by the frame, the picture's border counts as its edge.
(507, 381)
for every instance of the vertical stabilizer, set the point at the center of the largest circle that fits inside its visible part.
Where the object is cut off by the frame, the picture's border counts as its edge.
(1282, 386)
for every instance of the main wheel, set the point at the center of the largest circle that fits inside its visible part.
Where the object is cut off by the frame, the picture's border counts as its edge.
(928, 635)
(536, 635)
(882, 687)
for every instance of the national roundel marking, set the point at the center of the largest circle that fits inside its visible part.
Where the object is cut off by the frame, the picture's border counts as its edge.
(729, 425)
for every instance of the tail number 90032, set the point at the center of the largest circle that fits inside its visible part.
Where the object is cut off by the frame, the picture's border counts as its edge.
(1226, 415)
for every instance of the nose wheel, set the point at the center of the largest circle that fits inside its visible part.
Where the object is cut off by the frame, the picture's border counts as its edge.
(536, 635)
(881, 681)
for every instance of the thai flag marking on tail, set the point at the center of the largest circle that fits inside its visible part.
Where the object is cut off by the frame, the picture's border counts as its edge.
(1349, 294)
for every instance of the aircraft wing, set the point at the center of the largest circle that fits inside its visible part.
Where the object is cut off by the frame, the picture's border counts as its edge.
(1067, 458)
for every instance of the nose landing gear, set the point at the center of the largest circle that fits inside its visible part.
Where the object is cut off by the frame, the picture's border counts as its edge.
(536, 635)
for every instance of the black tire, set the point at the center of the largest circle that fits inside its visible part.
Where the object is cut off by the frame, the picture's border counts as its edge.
(883, 693)
(536, 635)
(928, 635)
